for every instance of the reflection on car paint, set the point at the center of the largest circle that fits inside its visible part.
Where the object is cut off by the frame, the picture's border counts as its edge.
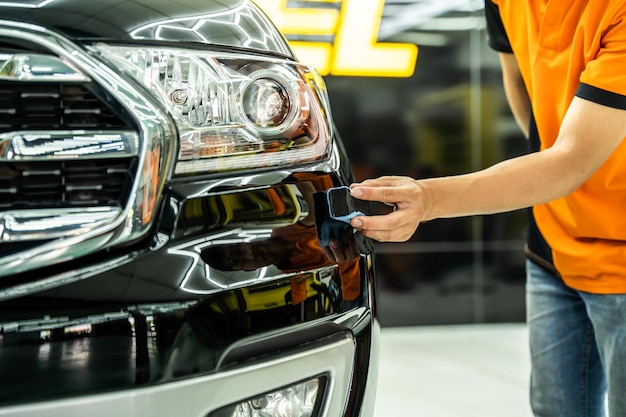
(226, 280)
(84, 347)
(133, 314)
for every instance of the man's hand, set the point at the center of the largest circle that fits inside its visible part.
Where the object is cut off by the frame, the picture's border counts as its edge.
(405, 194)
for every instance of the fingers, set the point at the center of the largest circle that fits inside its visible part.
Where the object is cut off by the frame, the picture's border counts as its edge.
(393, 227)
(405, 194)
(390, 190)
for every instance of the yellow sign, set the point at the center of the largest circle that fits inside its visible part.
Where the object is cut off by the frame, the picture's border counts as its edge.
(355, 50)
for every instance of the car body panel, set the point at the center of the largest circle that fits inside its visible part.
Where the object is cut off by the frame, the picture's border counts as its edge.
(231, 23)
(169, 319)
(204, 290)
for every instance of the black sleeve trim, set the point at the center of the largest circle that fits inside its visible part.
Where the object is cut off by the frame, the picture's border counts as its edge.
(497, 37)
(600, 96)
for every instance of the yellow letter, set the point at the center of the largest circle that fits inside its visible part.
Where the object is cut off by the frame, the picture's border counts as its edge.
(357, 51)
(301, 21)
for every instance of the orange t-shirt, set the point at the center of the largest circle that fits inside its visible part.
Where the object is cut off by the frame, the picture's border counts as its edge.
(566, 49)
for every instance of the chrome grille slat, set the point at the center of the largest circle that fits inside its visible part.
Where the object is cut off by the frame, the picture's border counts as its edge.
(48, 105)
(65, 184)
(81, 182)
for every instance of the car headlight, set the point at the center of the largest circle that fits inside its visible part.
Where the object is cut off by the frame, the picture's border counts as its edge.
(233, 111)
(299, 400)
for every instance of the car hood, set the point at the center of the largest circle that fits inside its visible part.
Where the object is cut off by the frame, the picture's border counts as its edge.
(231, 23)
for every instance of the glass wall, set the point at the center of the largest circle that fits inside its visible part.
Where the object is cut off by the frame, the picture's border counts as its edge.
(448, 117)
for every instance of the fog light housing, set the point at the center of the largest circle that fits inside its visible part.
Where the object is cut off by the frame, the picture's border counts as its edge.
(299, 400)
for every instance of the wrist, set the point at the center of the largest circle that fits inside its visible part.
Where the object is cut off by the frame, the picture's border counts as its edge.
(423, 196)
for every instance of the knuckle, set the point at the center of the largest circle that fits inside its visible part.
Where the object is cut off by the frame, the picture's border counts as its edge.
(387, 194)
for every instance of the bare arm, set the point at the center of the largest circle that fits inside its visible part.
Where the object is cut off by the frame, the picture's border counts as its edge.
(515, 91)
(589, 134)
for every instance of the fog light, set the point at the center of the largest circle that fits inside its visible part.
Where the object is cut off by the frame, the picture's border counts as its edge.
(299, 400)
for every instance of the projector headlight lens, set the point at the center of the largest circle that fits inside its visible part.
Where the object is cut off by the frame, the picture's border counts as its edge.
(266, 103)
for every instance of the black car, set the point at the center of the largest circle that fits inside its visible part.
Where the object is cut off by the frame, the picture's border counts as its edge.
(164, 241)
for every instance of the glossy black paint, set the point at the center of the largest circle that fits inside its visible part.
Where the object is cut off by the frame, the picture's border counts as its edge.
(93, 346)
(163, 20)
(231, 273)
(170, 314)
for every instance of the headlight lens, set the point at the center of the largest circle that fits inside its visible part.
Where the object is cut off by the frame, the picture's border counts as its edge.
(266, 103)
(299, 400)
(233, 111)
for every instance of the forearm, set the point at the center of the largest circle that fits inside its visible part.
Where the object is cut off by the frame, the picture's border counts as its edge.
(510, 185)
(588, 136)
(513, 184)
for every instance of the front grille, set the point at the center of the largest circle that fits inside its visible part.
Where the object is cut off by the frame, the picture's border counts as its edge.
(81, 153)
(80, 182)
(58, 106)
(65, 184)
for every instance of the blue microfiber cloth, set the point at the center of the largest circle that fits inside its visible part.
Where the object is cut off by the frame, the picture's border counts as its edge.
(326, 225)
(343, 207)
(335, 207)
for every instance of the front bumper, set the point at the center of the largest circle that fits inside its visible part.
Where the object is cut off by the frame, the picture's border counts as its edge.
(333, 357)
(159, 330)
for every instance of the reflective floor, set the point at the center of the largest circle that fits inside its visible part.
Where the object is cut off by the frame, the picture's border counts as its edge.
(476, 370)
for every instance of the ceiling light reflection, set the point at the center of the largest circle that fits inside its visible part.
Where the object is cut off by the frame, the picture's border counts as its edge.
(26, 4)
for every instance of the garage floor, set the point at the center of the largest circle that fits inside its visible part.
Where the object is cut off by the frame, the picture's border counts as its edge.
(476, 370)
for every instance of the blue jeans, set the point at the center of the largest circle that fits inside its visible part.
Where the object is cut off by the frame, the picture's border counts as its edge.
(578, 348)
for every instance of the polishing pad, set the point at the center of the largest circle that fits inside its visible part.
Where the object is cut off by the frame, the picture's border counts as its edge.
(335, 207)
(343, 207)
